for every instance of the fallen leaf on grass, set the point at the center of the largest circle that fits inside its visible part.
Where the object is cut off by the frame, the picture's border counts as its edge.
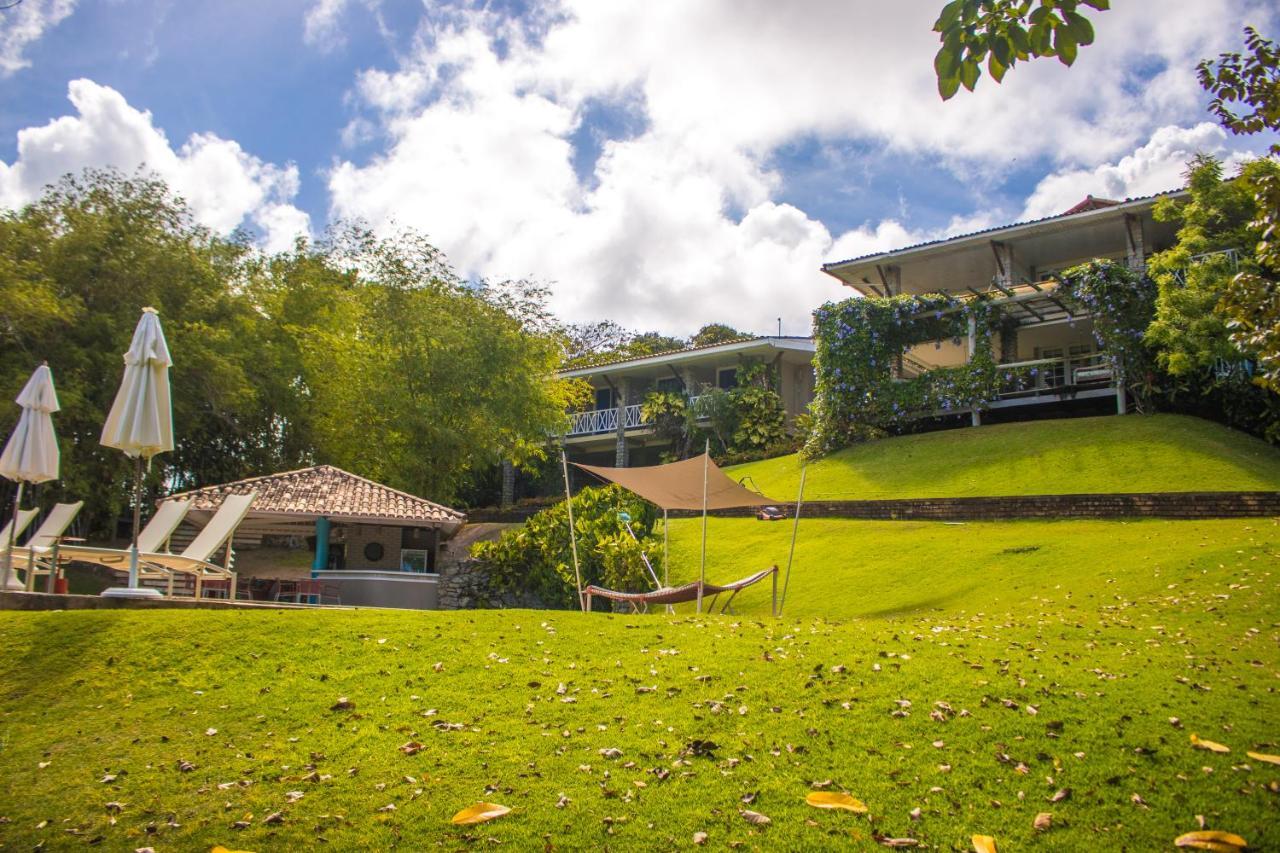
(1212, 839)
(1060, 795)
(835, 800)
(343, 704)
(699, 838)
(1200, 743)
(754, 817)
(1262, 756)
(274, 818)
(218, 848)
(984, 844)
(895, 842)
(479, 813)
(411, 748)
(1043, 821)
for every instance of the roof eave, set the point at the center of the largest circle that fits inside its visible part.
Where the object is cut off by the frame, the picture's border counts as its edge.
(796, 343)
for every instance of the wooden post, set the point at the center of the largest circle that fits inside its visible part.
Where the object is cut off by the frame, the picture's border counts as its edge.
(666, 541)
(573, 534)
(702, 571)
(775, 591)
(231, 596)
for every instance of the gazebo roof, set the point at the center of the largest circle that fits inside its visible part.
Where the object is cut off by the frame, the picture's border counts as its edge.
(325, 491)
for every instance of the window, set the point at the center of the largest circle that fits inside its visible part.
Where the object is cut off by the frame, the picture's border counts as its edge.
(1054, 374)
(669, 385)
(727, 378)
(415, 560)
(604, 398)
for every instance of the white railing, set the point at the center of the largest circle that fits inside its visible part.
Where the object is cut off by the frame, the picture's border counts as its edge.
(599, 421)
(1051, 374)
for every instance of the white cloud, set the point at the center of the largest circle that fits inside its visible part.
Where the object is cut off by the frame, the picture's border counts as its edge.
(680, 223)
(23, 25)
(1153, 167)
(322, 25)
(225, 185)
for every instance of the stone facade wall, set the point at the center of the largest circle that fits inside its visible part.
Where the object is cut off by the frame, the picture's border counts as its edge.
(465, 585)
(1184, 505)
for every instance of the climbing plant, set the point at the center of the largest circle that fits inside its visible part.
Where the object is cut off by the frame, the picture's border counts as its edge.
(859, 343)
(1122, 304)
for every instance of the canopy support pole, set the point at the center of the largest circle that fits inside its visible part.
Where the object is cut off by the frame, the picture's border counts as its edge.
(795, 528)
(666, 555)
(702, 571)
(13, 534)
(573, 535)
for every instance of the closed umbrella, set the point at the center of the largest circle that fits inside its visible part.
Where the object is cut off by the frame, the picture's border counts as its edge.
(31, 456)
(141, 420)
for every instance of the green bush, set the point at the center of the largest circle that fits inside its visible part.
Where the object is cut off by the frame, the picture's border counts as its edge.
(537, 557)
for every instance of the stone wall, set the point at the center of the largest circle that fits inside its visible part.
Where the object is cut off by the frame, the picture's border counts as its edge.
(1184, 505)
(466, 585)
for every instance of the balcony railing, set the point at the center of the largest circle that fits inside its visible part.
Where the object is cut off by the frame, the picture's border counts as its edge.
(604, 421)
(1050, 375)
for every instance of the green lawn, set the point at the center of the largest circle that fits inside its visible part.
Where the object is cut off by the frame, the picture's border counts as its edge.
(1159, 453)
(1027, 674)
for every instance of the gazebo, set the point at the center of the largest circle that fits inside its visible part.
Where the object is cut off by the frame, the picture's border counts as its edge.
(379, 545)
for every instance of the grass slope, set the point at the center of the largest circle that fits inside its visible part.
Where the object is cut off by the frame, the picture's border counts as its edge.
(975, 698)
(1159, 453)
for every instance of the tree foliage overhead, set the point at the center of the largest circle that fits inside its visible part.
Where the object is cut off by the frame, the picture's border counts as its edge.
(1002, 33)
(364, 352)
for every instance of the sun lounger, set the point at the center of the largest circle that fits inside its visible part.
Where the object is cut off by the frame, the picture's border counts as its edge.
(195, 559)
(44, 541)
(25, 517)
(154, 537)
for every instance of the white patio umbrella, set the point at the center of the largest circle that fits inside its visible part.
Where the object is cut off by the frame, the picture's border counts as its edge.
(141, 420)
(31, 456)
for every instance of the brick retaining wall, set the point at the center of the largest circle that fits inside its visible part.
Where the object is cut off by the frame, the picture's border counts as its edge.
(1185, 505)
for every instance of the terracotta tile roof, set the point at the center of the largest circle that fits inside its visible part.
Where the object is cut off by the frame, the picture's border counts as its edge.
(328, 491)
(608, 360)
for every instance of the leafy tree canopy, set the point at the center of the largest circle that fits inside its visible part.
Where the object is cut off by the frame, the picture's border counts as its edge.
(716, 333)
(365, 352)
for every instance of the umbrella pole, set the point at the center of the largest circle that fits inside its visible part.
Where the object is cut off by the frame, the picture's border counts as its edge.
(573, 536)
(702, 571)
(137, 520)
(13, 534)
(666, 557)
(795, 528)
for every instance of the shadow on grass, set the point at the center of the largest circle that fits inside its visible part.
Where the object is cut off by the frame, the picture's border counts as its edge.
(55, 656)
(918, 605)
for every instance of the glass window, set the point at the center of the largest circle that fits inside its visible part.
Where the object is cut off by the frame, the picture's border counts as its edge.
(413, 560)
(727, 378)
(670, 385)
(604, 398)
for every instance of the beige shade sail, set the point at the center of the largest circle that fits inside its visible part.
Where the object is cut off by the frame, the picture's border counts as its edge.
(678, 485)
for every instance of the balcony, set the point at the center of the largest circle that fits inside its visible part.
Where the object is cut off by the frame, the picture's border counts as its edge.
(605, 421)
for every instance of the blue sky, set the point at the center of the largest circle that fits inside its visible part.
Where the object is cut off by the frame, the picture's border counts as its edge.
(663, 163)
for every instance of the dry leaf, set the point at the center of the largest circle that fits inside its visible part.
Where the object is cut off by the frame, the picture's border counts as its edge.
(479, 813)
(274, 818)
(1060, 795)
(835, 800)
(700, 838)
(218, 848)
(1212, 839)
(754, 817)
(411, 748)
(1043, 821)
(1200, 743)
(1262, 756)
(984, 844)
(896, 842)
(343, 704)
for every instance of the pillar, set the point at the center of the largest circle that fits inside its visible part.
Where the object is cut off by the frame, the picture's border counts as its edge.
(508, 484)
(1135, 248)
(1008, 341)
(321, 561)
(624, 397)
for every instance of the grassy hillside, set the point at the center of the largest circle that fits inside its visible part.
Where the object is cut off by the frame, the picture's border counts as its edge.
(1046, 693)
(847, 569)
(1159, 453)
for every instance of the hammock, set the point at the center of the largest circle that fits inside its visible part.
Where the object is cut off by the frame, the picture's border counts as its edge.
(640, 601)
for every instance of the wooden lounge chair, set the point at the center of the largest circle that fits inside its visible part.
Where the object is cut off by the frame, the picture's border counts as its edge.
(44, 542)
(195, 559)
(640, 601)
(154, 537)
(25, 517)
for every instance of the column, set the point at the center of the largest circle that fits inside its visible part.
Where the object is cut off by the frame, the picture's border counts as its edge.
(321, 561)
(508, 484)
(624, 395)
(1135, 249)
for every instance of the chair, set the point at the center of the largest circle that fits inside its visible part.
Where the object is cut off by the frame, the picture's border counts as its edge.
(154, 537)
(44, 542)
(25, 517)
(195, 558)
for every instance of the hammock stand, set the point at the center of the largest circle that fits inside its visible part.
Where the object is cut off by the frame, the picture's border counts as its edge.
(696, 591)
